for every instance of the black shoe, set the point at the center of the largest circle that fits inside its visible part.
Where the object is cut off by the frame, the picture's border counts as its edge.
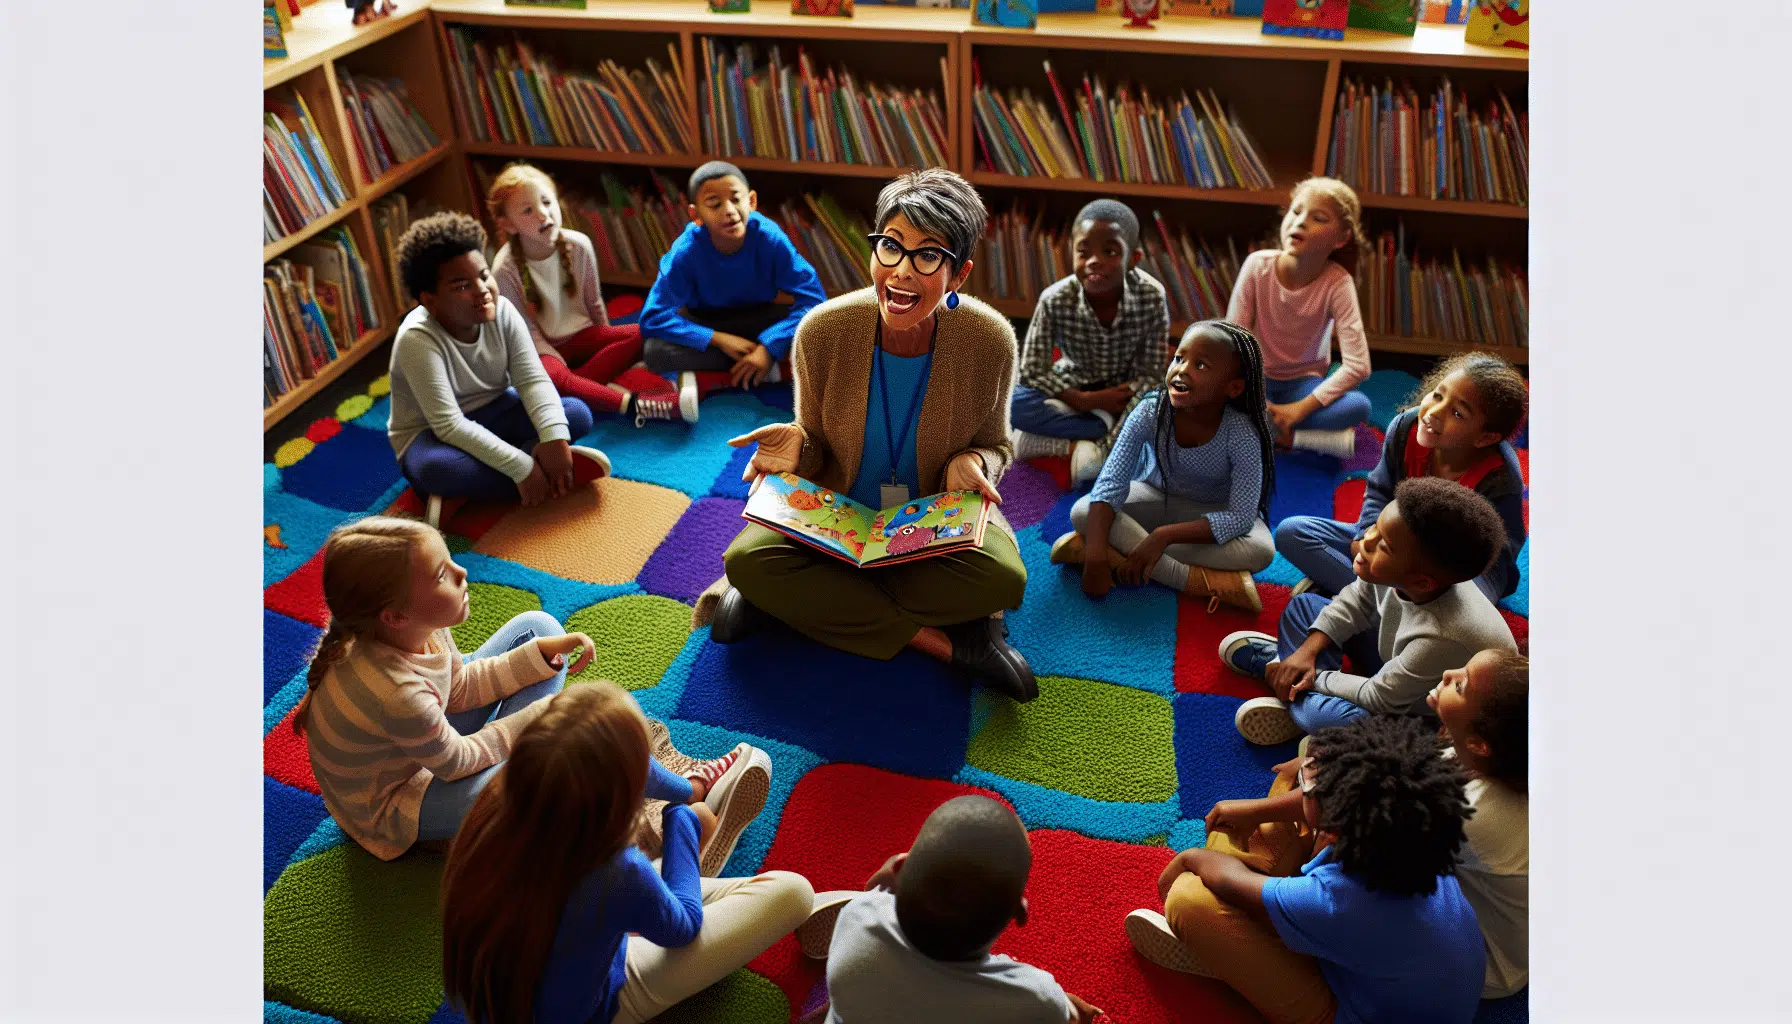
(979, 648)
(736, 618)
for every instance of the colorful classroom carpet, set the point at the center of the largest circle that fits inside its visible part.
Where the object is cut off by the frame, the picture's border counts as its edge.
(1112, 768)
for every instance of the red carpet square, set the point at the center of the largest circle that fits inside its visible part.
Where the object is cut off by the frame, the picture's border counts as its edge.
(1347, 501)
(284, 757)
(1198, 636)
(301, 595)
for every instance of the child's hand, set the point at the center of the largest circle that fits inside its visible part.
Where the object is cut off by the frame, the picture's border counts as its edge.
(1179, 865)
(1284, 418)
(751, 368)
(734, 345)
(706, 823)
(1098, 578)
(534, 488)
(1112, 399)
(780, 444)
(1136, 570)
(1290, 677)
(567, 649)
(555, 459)
(1084, 1010)
(1235, 819)
(885, 877)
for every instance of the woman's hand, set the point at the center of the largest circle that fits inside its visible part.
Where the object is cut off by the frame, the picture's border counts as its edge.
(780, 445)
(567, 649)
(965, 473)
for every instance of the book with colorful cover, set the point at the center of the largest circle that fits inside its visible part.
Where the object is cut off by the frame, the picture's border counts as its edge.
(1309, 19)
(1503, 23)
(273, 33)
(833, 523)
(1400, 17)
(575, 5)
(1006, 13)
(822, 8)
(1445, 12)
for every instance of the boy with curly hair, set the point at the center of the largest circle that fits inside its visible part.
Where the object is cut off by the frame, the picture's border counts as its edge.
(1374, 927)
(474, 414)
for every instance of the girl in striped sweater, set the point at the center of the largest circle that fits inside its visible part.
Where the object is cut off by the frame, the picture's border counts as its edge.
(403, 732)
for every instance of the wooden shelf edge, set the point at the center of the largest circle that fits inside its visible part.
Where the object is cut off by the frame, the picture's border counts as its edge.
(322, 34)
(285, 404)
(404, 172)
(274, 250)
(626, 279)
(1420, 204)
(582, 154)
(1256, 197)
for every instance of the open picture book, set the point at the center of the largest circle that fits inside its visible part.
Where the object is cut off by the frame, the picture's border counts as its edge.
(832, 522)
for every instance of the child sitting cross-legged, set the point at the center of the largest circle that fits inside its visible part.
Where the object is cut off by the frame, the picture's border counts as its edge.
(1332, 899)
(549, 272)
(1098, 339)
(712, 309)
(474, 414)
(915, 948)
(1485, 710)
(1412, 614)
(404, 733)
(550, 914)
(1184, 496)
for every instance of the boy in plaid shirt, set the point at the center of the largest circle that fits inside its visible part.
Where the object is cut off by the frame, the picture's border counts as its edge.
(1109, 325)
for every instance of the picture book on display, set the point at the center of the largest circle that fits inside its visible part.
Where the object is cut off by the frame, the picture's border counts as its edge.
(1503, 23)
(832, 522)
(1311, 19)
(1398, 16)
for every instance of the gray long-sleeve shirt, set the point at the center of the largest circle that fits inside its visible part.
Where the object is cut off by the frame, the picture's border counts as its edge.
(437, 380)
(1418, 643)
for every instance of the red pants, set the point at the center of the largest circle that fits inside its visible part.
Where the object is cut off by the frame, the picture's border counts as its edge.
(606, 358)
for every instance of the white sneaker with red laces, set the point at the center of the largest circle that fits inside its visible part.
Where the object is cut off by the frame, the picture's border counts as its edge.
(739, 783)
(656, 408)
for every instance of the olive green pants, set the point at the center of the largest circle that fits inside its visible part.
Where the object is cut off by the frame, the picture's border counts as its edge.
(874, 612)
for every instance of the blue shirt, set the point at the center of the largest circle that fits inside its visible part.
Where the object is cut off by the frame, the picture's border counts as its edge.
(1227, 470)
(904, 379)
(1386, 958)
(584, 973)
(693, 275)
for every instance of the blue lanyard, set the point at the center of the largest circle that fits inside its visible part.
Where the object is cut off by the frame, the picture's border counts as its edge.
(891, 444)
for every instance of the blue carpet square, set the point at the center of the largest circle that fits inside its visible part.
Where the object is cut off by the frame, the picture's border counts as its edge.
(1057, 521)
(683, 458)
(1213, 762)
(1128, 638)
(1514, 1009)
(1305, 485)
(288, 817)
(304, 526)
(446, 1014)
(728, 483)
(907, 715)
(377, 417)
(280, 1013)
(349, 471)
(1388, 391)
(286, 646)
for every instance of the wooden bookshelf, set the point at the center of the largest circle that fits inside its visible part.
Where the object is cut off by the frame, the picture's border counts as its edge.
(1298, 78)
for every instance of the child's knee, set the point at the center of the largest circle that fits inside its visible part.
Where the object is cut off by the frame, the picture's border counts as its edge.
(538, 622)
(578, 416)
(1191, 908)
(1079, 513)
(1293, 533)
(789, 896)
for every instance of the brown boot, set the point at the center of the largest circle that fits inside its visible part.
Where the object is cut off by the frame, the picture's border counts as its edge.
(1068, 549)
(1223, 586)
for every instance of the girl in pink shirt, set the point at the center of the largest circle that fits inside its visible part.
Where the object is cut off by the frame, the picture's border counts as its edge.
(1296, 299)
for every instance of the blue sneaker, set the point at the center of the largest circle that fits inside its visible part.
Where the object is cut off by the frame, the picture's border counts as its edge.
(1248, 652)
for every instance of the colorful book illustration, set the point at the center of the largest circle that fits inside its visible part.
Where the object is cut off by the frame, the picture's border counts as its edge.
(1197, 8)
(1446, 12)
(832, 522)
(1400, 17)
(1505, 23)
(729, 6)
(273, 33)
(1006, 13)
(822, 8)
(1309, 19)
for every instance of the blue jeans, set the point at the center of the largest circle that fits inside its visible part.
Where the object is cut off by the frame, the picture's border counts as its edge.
(445, 803)
(1350, 408)
(1315, 711)
(434, 466)
(1320, 549)
(1028, 411)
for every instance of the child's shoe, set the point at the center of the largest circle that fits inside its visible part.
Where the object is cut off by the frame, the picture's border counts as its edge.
(739, 782)
(1339, 444)
(1223, 586)
(1302, 587)
(1086, 458)
(687, 396)
(660, 407)
(1301, 751)
(588, 464)
(1248, 652)
(1068, 549)
(1151, 936)
(1265, 721)
(1036, 446)
(815, 935)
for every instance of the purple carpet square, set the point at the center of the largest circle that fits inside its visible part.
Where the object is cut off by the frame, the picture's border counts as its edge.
(909, 715)
(1028, 495)
(728, 482)
(349, 471)
(690, 558)
(286, 646)
(1368, 450)
(288, 817)
(1213, 762)
(779, 396)
(1305, 485)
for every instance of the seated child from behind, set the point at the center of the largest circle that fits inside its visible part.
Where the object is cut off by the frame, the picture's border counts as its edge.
(1412, 614)
(1098, 339)
(1485, 710)
(920, 954)
(712, 308)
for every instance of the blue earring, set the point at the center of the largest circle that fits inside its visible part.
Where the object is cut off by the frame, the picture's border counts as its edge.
(952, 300)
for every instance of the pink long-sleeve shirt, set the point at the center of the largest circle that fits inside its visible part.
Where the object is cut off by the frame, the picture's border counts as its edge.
(1291, 324)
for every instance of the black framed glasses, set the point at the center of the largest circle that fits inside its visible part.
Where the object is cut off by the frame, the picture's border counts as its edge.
(926, 260)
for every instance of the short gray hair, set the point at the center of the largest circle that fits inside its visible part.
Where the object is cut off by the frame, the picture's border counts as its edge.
(941, 204)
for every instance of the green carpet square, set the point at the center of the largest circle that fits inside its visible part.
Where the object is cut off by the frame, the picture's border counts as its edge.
(637, 637)
(1094, 739)
(492, 605)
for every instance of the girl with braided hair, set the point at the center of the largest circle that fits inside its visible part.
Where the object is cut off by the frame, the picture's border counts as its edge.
(1184, 497)
(549, 272)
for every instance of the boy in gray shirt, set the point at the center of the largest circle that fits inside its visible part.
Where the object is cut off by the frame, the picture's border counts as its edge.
(915, 949)
(1412, 614)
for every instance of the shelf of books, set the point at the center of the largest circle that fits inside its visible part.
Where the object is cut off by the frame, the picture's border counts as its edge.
(1202, 124)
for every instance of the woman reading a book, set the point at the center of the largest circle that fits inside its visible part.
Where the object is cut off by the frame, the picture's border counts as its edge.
(901, 391)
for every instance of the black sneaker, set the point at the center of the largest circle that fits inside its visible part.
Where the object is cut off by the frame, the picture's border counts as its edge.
(978, 647)
(736, 618)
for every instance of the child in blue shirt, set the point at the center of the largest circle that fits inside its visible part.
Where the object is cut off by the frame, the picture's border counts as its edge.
(1374, 927)
(712, 310)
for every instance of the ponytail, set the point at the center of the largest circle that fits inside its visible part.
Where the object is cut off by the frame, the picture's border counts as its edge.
(568, 284)
(531, 295)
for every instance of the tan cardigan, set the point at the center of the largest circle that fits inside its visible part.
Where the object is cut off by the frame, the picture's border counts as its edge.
(965, 410)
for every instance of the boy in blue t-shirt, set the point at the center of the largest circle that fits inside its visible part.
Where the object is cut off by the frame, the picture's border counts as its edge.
(712, 309)
(1373, 928)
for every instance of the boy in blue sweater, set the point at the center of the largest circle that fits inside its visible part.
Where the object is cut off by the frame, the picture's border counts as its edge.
(712, 309)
